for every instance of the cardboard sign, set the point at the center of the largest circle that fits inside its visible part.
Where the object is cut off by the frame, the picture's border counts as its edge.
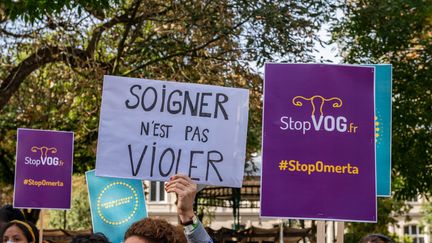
(154, 129)
(43, 169)
(383, 113)
(319, 143)
(115, 204)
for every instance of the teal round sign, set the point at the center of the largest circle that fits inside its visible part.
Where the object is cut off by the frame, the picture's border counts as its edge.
(114, 200)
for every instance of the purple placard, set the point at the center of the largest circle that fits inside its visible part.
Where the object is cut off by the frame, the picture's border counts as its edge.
(319, 142)
(43, 169)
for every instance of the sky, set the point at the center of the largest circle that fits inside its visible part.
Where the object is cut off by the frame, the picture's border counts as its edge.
(329, 51)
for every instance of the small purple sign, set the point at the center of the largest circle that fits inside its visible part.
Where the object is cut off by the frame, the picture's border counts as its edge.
(43, 169)
(319, 142)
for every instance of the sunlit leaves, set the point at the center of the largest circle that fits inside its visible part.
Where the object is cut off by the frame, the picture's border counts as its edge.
(398, 32)
(207, 42)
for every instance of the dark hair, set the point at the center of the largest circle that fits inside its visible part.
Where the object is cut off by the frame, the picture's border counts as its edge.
(156, 230)
(8, 213)
(29, 230)
(376, 238)
(92, 238)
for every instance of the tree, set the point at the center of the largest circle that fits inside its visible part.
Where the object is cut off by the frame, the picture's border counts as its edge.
(388, 208)
(54, 57)
(78, 217)
(31, 11)
(426, 211)
(398, 32)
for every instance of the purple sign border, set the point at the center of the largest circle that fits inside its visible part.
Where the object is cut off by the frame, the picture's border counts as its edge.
(262, 169)
(70, 176)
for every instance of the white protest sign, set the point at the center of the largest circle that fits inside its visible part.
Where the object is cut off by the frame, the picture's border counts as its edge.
(154, 129)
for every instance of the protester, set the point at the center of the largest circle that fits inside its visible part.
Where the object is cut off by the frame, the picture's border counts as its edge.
(8, 213)
(186, 190)
(152, 230)
(18, 231)
(92, 238)
(376, 238)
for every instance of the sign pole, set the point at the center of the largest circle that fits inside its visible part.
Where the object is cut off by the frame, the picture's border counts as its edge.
(320, 231)
(340, 232)
(281, 231)
(41, 226)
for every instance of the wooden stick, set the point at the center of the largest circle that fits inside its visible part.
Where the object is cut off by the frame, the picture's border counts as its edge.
(41, 226)
(281, 231)
(320, 231)
(340, 232)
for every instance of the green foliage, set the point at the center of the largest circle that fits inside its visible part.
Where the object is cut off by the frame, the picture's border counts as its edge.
(58, 101)
(31, 11)
(388, 208)
(78, 218)
(6, 194)
(398, 32)
(426, 211)
(206, 215)
(62, 55)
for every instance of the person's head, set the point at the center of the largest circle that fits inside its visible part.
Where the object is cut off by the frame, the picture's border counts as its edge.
(8, 213)
(18, 231)
(92, 238)
(153, 230)
(376, 238)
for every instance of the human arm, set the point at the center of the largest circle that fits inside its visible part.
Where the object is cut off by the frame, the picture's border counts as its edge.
(186, 189)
